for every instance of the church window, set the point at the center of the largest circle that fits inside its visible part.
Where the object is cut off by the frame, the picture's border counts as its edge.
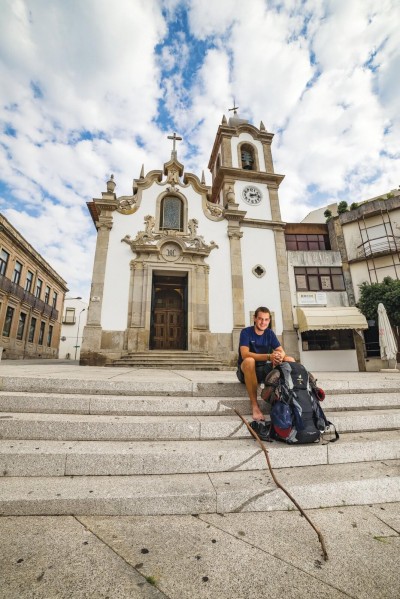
(247, 157)
(171, 216)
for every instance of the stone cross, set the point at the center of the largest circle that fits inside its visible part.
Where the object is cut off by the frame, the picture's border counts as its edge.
(235, 108)
(174, 138)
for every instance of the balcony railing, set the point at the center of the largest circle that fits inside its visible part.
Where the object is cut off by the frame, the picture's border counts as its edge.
(11, 288)
(382, 245)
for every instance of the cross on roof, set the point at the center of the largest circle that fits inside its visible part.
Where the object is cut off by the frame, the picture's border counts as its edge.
(174, 138)
(235, 108)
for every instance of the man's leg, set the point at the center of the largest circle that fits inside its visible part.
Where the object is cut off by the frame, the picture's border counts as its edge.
(248, 367)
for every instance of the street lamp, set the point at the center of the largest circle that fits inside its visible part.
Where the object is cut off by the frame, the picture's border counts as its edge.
(77, 333)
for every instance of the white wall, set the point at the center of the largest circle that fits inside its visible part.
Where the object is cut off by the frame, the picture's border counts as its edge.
(258, 247)
(72, 332)
(329, 361)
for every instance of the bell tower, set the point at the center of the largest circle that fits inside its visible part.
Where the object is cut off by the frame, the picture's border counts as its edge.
(245, 184)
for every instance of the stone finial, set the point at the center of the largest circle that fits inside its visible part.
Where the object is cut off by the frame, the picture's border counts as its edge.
(203, 179)
(224, 121)
(262, 126)
(141, 176)
(230, 196)
(111, 184)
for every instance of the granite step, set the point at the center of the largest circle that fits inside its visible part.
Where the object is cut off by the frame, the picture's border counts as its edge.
(195, 384)
(20, 425)
(116, 458)
(169, 359)
(173, 406)
(312, 486)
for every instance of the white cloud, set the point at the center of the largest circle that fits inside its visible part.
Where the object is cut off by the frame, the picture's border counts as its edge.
(82, 83)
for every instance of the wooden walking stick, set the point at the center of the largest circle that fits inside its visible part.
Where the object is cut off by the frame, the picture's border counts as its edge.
(280, 486)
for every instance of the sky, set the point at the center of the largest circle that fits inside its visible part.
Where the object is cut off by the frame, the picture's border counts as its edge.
(94, 87)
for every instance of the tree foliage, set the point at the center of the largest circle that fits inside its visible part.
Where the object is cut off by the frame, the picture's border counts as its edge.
(387, 293)
(342, 207)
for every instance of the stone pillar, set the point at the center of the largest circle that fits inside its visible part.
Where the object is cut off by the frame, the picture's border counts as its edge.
(234, 218)
(274, 202)
(201, 298)
(235, 236)
(226, 151)
(91, 342)
(289, 335)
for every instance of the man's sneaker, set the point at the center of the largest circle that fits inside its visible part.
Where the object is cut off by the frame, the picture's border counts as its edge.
(261, 428)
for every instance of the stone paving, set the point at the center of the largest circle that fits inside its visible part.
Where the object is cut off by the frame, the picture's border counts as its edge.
(213, 556)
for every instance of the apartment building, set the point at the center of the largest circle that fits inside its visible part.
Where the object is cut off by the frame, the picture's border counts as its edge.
(31, 299)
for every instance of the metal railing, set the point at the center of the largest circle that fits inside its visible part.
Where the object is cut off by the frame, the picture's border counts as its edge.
(34, 302)
(381, 245)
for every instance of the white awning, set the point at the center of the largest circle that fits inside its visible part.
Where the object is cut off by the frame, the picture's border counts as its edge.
(324, 319)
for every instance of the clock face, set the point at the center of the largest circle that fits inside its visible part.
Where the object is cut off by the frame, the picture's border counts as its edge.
(251, 195)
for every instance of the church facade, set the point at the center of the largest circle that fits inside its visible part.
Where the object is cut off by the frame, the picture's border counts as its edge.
(181, 266)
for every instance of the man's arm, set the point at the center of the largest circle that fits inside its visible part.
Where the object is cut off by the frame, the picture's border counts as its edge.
(277, 355)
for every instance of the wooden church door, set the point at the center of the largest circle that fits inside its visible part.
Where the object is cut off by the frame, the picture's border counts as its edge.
(168, 330)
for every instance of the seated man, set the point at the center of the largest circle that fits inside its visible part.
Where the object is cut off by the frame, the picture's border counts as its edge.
(259, 351)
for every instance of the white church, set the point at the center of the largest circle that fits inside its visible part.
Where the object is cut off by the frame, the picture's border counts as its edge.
(180, 266)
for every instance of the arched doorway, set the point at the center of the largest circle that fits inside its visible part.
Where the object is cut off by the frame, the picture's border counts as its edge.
(169, 313)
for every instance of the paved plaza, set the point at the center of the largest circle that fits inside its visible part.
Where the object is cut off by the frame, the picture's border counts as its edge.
(216, 556)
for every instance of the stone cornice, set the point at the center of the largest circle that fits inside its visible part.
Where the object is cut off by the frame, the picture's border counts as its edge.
(7, 229)
(263, 224)
(238, 174)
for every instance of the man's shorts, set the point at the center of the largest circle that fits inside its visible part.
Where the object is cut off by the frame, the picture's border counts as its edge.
(262, 369)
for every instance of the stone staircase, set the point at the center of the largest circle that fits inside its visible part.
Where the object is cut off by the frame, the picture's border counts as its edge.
(169, 359)
(92, 448)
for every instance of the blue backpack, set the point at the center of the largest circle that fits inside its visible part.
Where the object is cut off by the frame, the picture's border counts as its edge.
(296, 413)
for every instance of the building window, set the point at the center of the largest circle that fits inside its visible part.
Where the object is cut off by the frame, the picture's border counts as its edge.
(29, 281)
(32, 328)
(321, 278)
(38, 291)
(17, 272)
(4, 258)
(307, 242)
(41, 333)
(21, 326)
(327, 340)
(55, 296)
(247, 157)
(171, 216)
(49, 335)
(47, 294)
(8, 321)
(69, 317)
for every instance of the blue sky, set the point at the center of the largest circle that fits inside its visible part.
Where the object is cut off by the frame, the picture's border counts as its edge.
(93, 88)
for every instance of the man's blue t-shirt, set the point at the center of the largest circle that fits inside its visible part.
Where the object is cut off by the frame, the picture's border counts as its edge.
(258, 344)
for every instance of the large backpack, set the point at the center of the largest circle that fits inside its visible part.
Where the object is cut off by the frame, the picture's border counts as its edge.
(296, 413)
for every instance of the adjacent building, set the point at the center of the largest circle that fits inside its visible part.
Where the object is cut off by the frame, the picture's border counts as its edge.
(73, 322)
(31, 299)
(329, 328)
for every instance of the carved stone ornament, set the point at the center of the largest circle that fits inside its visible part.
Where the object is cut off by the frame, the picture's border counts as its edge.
(127, 204)
(214, 209)
(150, 241)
